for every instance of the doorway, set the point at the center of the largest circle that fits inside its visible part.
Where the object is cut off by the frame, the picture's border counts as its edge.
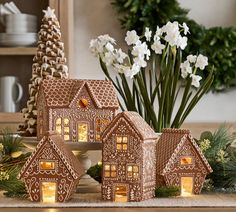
(121, 193)
(48, 192)
(186, 186)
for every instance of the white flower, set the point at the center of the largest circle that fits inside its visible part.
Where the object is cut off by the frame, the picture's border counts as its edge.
(157, 47)
(120, 55)
(186, 29)
(104, 39)
(192, 58)
(108, 58)
(121, 68)
(148, 34)
(133, 71)
(172, 32)
(140, 50)
(195, 80)
(201, 62)
(131, 37)
(140, 61)
(182, 42)
(109, 47)
(185, 69)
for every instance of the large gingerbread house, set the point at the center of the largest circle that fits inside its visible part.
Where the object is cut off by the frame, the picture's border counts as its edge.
(129, 159)
(180, 162)
(79, 110)
(52, 172)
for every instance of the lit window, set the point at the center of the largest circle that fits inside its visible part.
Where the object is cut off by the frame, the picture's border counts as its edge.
(101, 125)
(82, 132)
(132, 171)
(47, 165)
(122, 143)
(110, 170)
(82, 103)
(186, 161)
(58, 125)
(63, 128)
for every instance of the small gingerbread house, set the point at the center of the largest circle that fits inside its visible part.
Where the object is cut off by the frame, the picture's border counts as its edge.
(129, 159)
(180, 162)
(52, 172)
(79, 110)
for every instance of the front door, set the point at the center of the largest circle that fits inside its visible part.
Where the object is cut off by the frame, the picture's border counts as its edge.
(186, 186)
(83, 132)
(121, 193)
(48, 191)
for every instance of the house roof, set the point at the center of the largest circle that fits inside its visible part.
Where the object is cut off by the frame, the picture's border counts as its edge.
(61, 92)
(168, 146)
(135, 121)
(68, 158)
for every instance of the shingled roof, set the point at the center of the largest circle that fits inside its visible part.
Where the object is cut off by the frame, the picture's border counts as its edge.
(68, 158)
(168, 146)
(61, 92)
(135, 121)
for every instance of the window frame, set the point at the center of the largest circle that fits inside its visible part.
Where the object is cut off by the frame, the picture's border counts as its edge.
(110, 171)
(122, 143)
(134, 174)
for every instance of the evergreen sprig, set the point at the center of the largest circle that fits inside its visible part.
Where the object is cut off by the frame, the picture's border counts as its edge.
(12, 159)
(218, 150)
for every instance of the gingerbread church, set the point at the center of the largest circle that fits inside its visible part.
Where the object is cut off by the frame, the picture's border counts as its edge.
(180, 162)
(79, 110)
(128, 157)
(52, 172)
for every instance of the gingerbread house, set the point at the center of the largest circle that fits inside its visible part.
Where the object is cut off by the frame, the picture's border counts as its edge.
(79, 110)
(52, 172)
(180, 162)
(129, 159)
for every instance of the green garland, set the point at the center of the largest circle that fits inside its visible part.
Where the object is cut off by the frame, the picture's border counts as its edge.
(218, 43)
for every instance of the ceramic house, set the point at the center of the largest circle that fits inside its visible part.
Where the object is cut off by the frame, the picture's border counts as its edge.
(79, 110)
(129, 159)
(180, 162)
(52, 172)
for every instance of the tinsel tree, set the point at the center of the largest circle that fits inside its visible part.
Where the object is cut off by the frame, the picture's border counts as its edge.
(49, 62)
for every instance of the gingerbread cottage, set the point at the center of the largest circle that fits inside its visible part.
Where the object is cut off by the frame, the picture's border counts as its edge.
(79, 110)
(180, 162)
(52, 172)
(129, 159)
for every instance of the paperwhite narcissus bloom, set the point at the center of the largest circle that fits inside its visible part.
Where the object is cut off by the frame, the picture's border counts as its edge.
(157, 47)
(131, 37)
(109, 47)
(192, 58)
(108, 58)
(148, 34)
(202, 61)
(186, 29)
(195, 80)
(121, 68)
(182, 42)
(133, 71)
(140, 61)
(104, 39)
(186, 69)
(140, 50)
(120, 55)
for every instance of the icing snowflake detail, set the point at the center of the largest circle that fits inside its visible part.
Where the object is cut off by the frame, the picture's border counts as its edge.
(49, 13)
